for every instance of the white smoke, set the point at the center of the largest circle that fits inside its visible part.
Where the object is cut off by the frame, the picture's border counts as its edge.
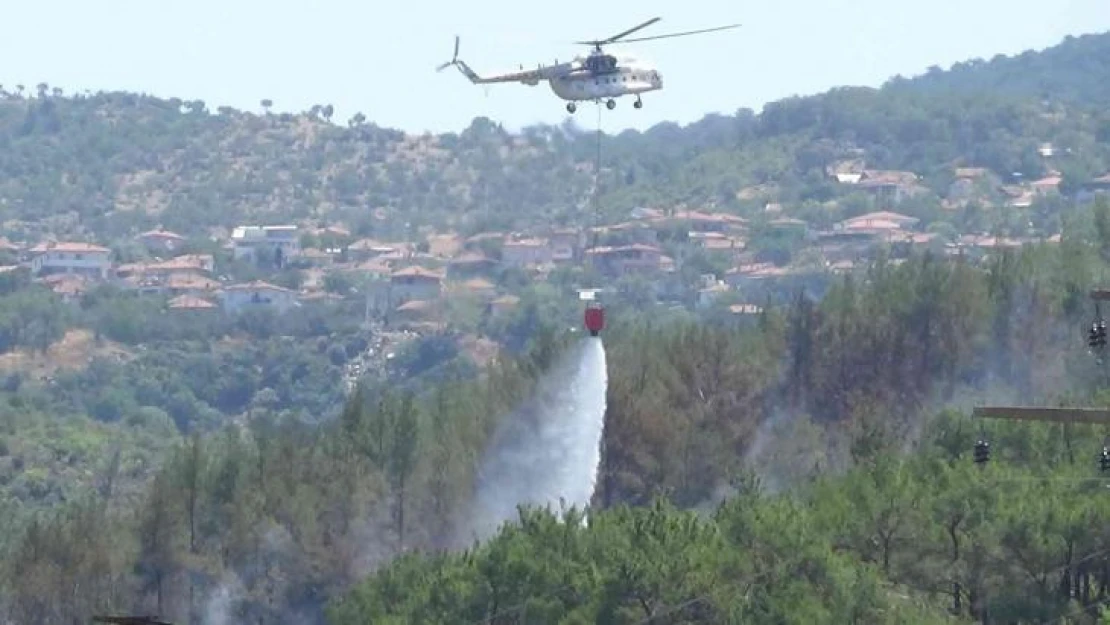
(547, 452)
(218, 609)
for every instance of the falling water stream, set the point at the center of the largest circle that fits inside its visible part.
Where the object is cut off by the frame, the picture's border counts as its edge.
(546, 453)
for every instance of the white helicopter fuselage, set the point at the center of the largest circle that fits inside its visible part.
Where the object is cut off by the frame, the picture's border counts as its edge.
(594, 78)
(582, 85)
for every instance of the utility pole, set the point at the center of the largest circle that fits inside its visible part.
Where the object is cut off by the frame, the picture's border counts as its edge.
(1096, 341)
(1065, 416)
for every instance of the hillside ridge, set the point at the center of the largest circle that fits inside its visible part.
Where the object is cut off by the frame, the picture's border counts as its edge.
(112, 164)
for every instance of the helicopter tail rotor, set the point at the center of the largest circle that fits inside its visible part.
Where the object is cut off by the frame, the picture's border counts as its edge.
(454, 59)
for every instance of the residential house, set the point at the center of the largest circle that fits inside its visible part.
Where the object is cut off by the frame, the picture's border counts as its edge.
(705, 240)
(1048, 185)
(481, 287)
(890, 186)
(567, 244)
(71, 257)
(172, 284)
(415, 311)
(332, 234)
(196, 263)
(1096, 187)
(970, 183)
(630, 232)
(373, 279)
(191, 303)
(747, 275)
(315, 257)
(414, 283)
(252, 243)
(1019, 196)
(791, 225)
(258, 294)
(483, 239)
(470, 264)
(708, 295)
(617, 261)
(502, 305)
(319, 297)
(698, 221)
(161, 241)
(69, 286)
(641, 212)
(444, 245)
(190, 284)
(904, 243)
(846, 171)
(879, 222)
(366, 249)
(191, 272)
(526, 252)
(853, 239)
(370, 270)
(730, 245)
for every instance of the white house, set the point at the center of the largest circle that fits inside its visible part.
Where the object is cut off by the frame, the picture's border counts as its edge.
(75, 258)
(248, 241)
(257, 294)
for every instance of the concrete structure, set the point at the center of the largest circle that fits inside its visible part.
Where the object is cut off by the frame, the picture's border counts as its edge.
(258, 294)
(83, 259)
(251, 242)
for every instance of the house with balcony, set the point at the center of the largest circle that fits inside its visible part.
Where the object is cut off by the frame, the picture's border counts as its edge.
(255, 243)
(84, 259)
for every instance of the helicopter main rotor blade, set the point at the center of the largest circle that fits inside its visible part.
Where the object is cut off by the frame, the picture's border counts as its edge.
(682, 34)
(601, 42)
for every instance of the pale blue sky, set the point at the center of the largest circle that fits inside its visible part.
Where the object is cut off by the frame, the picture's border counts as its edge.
(378, 57)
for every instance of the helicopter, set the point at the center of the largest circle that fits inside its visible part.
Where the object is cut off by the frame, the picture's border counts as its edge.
(592, 78)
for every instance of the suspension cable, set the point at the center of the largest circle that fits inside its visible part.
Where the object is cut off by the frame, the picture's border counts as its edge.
(597, 178)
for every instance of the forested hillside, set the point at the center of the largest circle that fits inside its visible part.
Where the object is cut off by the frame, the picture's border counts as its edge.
(119, 163)
(837, 426)
(823, 401)
(1073, 71)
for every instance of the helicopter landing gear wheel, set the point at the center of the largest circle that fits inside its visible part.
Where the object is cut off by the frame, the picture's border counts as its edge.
(638, 103)
(571, 108)
(611, 104)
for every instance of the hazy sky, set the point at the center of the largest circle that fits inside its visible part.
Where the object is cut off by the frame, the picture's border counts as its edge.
(379, 57)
